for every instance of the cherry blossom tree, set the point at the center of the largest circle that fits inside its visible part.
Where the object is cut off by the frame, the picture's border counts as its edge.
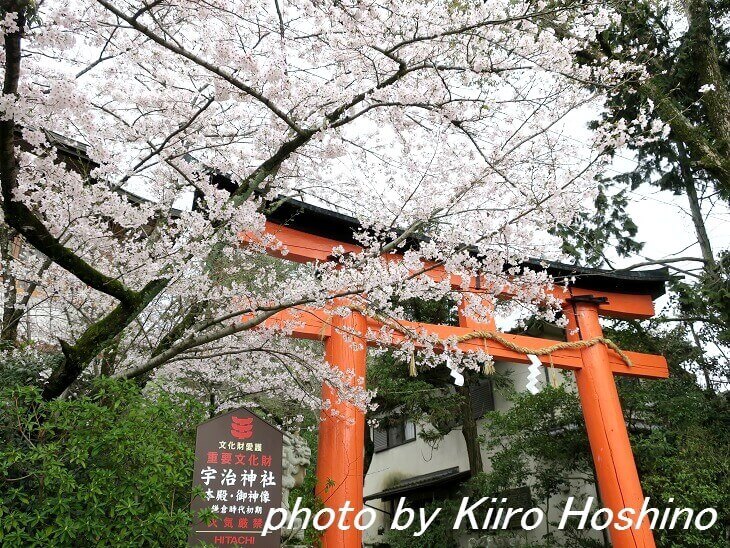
(439, 125)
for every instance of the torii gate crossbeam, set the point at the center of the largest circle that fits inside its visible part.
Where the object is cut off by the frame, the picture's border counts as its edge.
(341, 432)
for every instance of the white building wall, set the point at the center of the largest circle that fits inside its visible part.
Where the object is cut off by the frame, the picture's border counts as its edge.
(415, 458)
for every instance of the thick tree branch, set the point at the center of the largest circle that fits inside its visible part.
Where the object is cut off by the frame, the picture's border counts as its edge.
(17, 214)
(663, 262)
(704, 154)
(95, 338)
(180, 328)
(197, 338)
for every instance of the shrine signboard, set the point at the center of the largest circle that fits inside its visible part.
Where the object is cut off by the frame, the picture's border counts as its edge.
(238, 468)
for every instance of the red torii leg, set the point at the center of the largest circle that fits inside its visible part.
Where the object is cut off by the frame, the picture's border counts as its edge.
(618, 479)
(341, 434)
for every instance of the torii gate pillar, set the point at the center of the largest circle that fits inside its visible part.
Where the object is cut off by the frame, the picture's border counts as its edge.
(341, 433)
(618, 480)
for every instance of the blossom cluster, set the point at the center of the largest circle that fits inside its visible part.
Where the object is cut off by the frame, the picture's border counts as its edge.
(431, 122)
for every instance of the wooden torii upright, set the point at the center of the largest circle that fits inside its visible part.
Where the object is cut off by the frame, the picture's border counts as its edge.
(310, 234)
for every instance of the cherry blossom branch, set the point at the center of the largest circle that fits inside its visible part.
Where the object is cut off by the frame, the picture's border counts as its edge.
(192, 342)
(17, 214)
(476, 26)
(252, 182)
(101, 57)
(167, 44)
(160, 356)
(159, 148)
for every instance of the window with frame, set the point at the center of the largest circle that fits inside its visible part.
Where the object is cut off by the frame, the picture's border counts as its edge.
(393, 435)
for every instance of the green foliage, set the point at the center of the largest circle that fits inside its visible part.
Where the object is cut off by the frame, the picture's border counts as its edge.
(545, 440)
(680, 436)
(112, 469)
(679, 433)
(606, 227)
(25, 365)
(441, 311)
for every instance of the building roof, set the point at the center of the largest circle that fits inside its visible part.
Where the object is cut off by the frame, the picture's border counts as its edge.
(416, 483)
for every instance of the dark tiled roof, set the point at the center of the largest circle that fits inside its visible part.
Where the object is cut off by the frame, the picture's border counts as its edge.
(432, 479)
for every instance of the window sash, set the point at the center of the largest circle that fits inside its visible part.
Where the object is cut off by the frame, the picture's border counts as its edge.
(393, 436)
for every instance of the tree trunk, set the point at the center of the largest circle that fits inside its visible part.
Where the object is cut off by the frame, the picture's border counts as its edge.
(694, 205)
(368, 453)
(469, 427)
(702, 239)
(704, 51)
(212, 406)
(10, 291)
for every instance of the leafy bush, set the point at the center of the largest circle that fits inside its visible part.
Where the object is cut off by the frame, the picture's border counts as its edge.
(26, 365)
(111, 469)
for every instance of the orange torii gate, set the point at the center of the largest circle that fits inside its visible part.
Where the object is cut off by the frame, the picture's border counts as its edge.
(310, 233)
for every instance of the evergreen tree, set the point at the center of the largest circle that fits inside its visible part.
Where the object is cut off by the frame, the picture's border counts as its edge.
(682, 51)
